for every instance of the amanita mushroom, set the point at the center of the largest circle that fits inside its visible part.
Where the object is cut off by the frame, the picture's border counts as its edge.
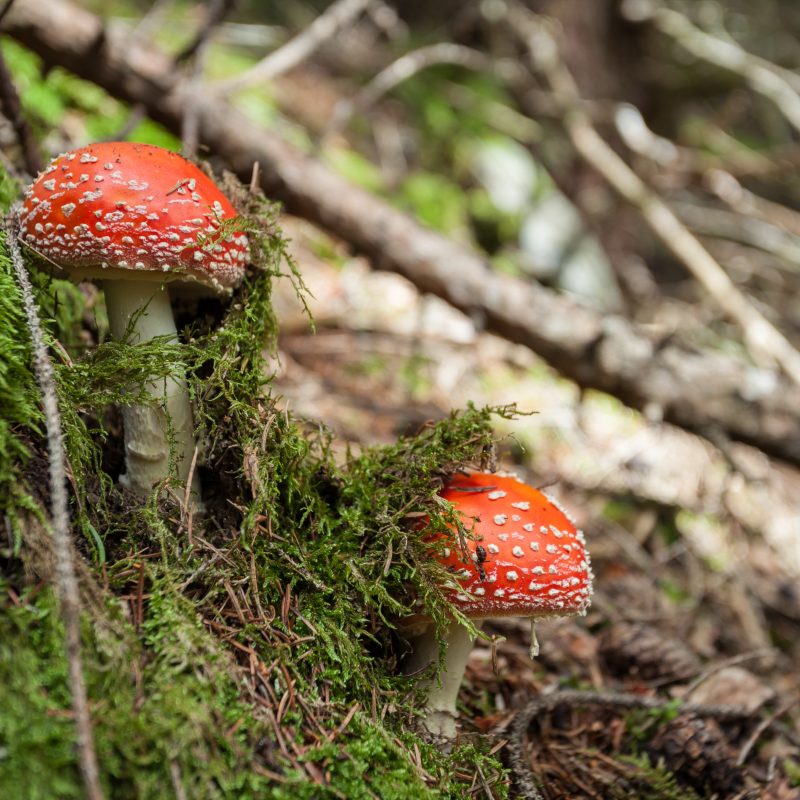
(527, 559)
(136, 217)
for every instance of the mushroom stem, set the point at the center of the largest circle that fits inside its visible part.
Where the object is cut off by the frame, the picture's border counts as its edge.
(151, 429)
(443, 689)
(534, 648)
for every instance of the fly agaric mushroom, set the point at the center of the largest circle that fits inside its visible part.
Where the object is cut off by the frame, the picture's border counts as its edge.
(136, 217)
(527, 559)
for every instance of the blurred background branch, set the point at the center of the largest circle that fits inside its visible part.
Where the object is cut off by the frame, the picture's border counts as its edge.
(780, 86)
(300, 47)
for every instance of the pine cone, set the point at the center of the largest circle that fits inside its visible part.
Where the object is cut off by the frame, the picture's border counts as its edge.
(643, 651)
(696, 751)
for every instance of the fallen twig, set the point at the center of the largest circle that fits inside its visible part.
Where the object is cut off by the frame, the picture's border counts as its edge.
(728, 189)
(743, 230)
(299, 48)
(66, 580)
(740, 658)
(763, 726)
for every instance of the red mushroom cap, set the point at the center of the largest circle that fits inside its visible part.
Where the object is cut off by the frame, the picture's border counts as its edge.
(133, 207)
(533, 561)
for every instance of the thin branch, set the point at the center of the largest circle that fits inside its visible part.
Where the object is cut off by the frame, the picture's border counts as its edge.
(65, 577)
(299, 48)
(636, 134)
(778, 85)
(728, 189)
(217, 11)
(177, 780)
(762, 727)
(409, 65)
(740, 658)
(386, 19)
(742, 229)
(5, 9)
(504, 118)
(761, 336)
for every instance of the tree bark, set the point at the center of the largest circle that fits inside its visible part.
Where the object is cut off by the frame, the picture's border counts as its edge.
(704, 392)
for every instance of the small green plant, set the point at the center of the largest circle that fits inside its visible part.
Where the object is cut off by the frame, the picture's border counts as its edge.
(640, 723)
(649, 782)
(792, 770)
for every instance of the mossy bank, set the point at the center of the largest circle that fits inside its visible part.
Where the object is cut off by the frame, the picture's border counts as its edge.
(249, 652)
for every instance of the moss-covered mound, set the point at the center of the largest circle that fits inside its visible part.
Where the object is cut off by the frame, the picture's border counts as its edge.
(249, 652)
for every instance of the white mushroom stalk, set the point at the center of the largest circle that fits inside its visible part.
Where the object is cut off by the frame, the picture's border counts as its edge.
(440, 708)
(527, 560)
(152, 430)
(136, 217)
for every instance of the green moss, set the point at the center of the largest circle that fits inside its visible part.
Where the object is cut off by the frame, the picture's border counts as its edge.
(18, 398)
(36, 735)
(163, 706)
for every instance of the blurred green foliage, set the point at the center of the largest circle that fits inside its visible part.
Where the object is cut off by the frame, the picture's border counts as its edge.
(437, 201)
(59, 97)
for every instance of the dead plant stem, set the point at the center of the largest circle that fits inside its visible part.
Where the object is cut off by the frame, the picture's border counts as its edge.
(66, 580)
